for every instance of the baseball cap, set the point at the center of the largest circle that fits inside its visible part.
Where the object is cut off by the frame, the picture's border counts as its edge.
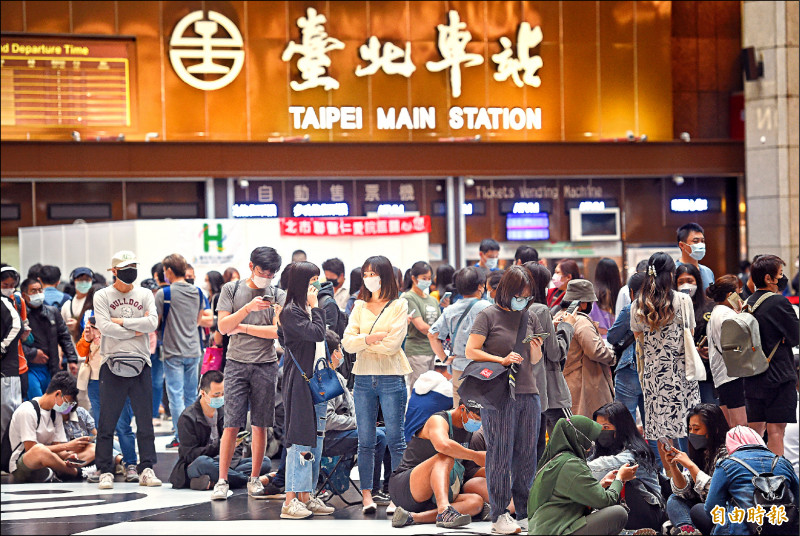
(123, 258)
(77, 272)
(150, 284)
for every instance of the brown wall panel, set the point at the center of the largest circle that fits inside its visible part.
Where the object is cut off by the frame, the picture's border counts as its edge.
(153, 192)
(77, 192)
(255, 105)
(94, 18)
(47, 17)
(13, 16)
(17, 193)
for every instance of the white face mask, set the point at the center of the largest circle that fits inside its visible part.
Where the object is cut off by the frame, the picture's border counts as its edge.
(372, 283)
(8, 292)
(491, 263)
(260, 282)
(688, 288)
(207, 287)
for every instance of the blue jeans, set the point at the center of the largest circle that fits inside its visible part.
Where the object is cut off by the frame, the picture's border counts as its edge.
(345, 443)
(707, 393)
(38, 380)
(628, 390)
(303, 461)
(238, 475)
(689, 512)
(390, 392)
(158, 380)
(127, 439)
(181, 375)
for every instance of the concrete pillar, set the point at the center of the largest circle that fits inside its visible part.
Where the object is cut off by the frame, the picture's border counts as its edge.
(771, 131)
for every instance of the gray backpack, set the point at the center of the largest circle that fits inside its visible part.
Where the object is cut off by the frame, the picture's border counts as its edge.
(741, 343)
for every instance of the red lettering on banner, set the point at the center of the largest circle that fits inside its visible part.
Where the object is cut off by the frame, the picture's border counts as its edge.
(355, 226)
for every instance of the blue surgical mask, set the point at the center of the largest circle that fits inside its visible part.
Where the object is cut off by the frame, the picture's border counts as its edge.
(518, 304)
(63, 408)
(698, 251)
(424, 284)
(491, 263)
(472, 425)
(83, 286)
(216, 402)
(37, 299)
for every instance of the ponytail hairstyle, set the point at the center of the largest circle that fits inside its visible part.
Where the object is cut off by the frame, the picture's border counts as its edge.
(724, 285)
(407, 282)
(654, 300)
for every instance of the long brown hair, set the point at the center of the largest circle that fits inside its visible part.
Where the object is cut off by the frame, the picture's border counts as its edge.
(654, 300)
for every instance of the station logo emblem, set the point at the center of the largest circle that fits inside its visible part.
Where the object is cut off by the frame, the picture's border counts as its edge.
(207, 75)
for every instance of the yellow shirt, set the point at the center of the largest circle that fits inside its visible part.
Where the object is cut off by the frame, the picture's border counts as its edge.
(385, 357)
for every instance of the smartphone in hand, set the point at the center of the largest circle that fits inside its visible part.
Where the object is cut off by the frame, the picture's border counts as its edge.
(665, 444)
(573, 307)
(446, 296)
(76, 462)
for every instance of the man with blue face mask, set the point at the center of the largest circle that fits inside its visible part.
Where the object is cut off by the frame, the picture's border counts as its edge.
(692, 242)
(82, 278)
(489, 254)
(38, 441)
(200, 427)
(428, 486)
(48, 333)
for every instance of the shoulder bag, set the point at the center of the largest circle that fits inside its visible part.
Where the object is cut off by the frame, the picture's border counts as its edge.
(695, 371)
(324, 383)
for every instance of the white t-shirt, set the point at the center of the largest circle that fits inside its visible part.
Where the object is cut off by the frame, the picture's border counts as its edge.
(719, 371)
(74, 305)
(23, 428)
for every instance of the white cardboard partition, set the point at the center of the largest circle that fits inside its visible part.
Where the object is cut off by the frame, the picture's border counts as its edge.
(93, 244)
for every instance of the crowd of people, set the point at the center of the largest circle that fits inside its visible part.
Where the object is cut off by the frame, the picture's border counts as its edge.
(543, 403)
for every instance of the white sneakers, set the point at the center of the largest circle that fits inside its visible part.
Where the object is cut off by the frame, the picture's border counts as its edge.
(295, 510)
(220, 492)
(505, 524)
(319, 508)
(106, 481)
(523, 524)
(148, 478)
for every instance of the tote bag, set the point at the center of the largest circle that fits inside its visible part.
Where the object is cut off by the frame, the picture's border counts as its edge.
(695, 371)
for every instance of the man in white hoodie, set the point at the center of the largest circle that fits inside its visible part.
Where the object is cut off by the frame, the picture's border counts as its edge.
(432, 392)
(125, 315)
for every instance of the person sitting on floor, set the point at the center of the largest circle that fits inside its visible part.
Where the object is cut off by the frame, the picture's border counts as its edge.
(427, 485)
(37, 438)
(200, 427)
(564, 486)
(431, 393)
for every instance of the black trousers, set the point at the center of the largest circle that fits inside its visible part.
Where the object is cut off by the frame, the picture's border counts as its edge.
(113, 392)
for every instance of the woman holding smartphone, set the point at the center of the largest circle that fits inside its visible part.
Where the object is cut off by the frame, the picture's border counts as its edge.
(302, 335)
(375, 333)
(499, 335)
(707, 430)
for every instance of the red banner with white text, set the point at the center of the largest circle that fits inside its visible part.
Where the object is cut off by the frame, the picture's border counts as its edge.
(401, 225)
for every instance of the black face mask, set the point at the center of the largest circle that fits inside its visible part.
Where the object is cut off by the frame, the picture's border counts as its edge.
(190, 280)
(782, 283)
(699, 442)
(127, 275)
(589, 307)
(607, 438)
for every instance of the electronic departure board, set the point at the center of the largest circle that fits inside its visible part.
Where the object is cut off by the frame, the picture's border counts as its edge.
(61, 81)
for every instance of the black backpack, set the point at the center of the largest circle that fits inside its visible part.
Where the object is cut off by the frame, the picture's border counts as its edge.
(5, 447)
(772, 490)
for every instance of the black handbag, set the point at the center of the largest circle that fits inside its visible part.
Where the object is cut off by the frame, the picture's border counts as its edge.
(324, 383)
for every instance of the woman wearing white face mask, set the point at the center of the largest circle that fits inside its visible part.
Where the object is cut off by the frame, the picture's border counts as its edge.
(725, 292)
(424, 311)
(375, 332)
(688, 280)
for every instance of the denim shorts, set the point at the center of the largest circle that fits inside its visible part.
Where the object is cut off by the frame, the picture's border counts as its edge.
(250, 385)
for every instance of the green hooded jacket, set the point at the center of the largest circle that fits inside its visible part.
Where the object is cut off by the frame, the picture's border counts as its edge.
(564, 485)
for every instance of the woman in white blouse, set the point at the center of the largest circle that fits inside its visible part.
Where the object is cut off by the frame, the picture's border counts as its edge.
(375, 333)
(725, 292)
